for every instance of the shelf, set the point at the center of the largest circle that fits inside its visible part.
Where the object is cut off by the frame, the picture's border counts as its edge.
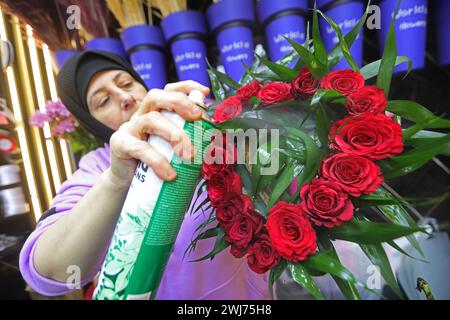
(11, 250)
(9, 218)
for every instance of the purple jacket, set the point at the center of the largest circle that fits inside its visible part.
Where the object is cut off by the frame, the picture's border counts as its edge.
(224, 277)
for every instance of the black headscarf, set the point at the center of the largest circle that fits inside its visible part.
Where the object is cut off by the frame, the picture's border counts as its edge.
(73, 80)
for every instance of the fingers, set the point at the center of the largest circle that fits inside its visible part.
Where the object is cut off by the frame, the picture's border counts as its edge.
(154, 123)
(157, 100)
(127, 143)
(143, 151)
(186, 87)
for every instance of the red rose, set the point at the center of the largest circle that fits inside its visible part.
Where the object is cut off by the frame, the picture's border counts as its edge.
(219, 156)
(222, 183)
(228, 109)
(244, 228)
(246, 92)
(355, 174)
(326, 203)
(368, 99)
(209, 170)
(368, 135)
(304, 85)
(238, 252)
(343, 81)
(261, 255)
(290, 231)
(232, 207)
(275, 92)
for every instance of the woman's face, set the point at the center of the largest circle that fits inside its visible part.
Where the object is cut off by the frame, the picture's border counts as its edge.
(113, 97)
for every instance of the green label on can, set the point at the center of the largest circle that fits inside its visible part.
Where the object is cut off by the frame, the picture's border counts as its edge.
(150, 220)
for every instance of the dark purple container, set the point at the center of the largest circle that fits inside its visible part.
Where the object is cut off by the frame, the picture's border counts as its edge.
(62, 56)
(107, 44)
(186, 31)
(410, 29)
(232, 21)
(145, 45)
(443, 30)
(282, 18)
(346, 14)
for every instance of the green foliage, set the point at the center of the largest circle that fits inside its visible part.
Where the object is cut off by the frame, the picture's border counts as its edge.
(304, 128)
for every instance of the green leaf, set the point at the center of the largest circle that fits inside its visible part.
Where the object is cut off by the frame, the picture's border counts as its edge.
(288, 58)
(315, 273)
(324, 262)
(347, 288)
(308, 42)
(248, 76)
(220, 245)
(378, 257)
(417, 113)
(336, 54)
(426, 134)
(412, 130)
(200, 190)
(445, 150)
(323, 126)
(245, 176)
(266, 76)
(213, 232)
(245, 123)
(270, 118)
(319, 48)
(202, 235)
(265, 156)
(398, 214)
(344, 47)
(389, 57)
(260, 206)
(313, 157)
(368, 232)
(223, 78)
(303, 278)
(276, 273)
(317, 69)
(372, 69)
(216, 86)
(373, 199)
(287, 175)
(328, 96)
(412, 160)
(284, 73)
(394, 245)
(293, 149)
(204, 224)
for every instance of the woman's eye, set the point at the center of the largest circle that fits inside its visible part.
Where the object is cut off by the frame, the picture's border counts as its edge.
(104, 101)
(127, 84)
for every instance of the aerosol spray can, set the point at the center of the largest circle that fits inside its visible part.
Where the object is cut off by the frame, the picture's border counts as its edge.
(151, 217)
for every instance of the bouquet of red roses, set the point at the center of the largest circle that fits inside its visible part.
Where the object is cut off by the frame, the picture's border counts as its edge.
(336, 140)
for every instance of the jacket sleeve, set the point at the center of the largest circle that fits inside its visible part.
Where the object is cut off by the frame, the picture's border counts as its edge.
(90, 169)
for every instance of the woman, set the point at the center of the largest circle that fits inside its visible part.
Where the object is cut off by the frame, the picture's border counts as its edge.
(108, 97)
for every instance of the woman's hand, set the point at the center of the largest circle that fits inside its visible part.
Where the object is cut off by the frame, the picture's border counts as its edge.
(129, 143)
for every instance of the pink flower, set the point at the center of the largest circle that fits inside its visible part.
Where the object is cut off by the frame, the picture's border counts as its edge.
(64, 126)
(55, 109)
(38, 119)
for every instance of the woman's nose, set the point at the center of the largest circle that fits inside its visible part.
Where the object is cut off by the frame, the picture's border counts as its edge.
(127, 101)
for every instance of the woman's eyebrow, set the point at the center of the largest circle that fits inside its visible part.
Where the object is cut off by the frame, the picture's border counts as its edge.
(118, 75)
(96, 92)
